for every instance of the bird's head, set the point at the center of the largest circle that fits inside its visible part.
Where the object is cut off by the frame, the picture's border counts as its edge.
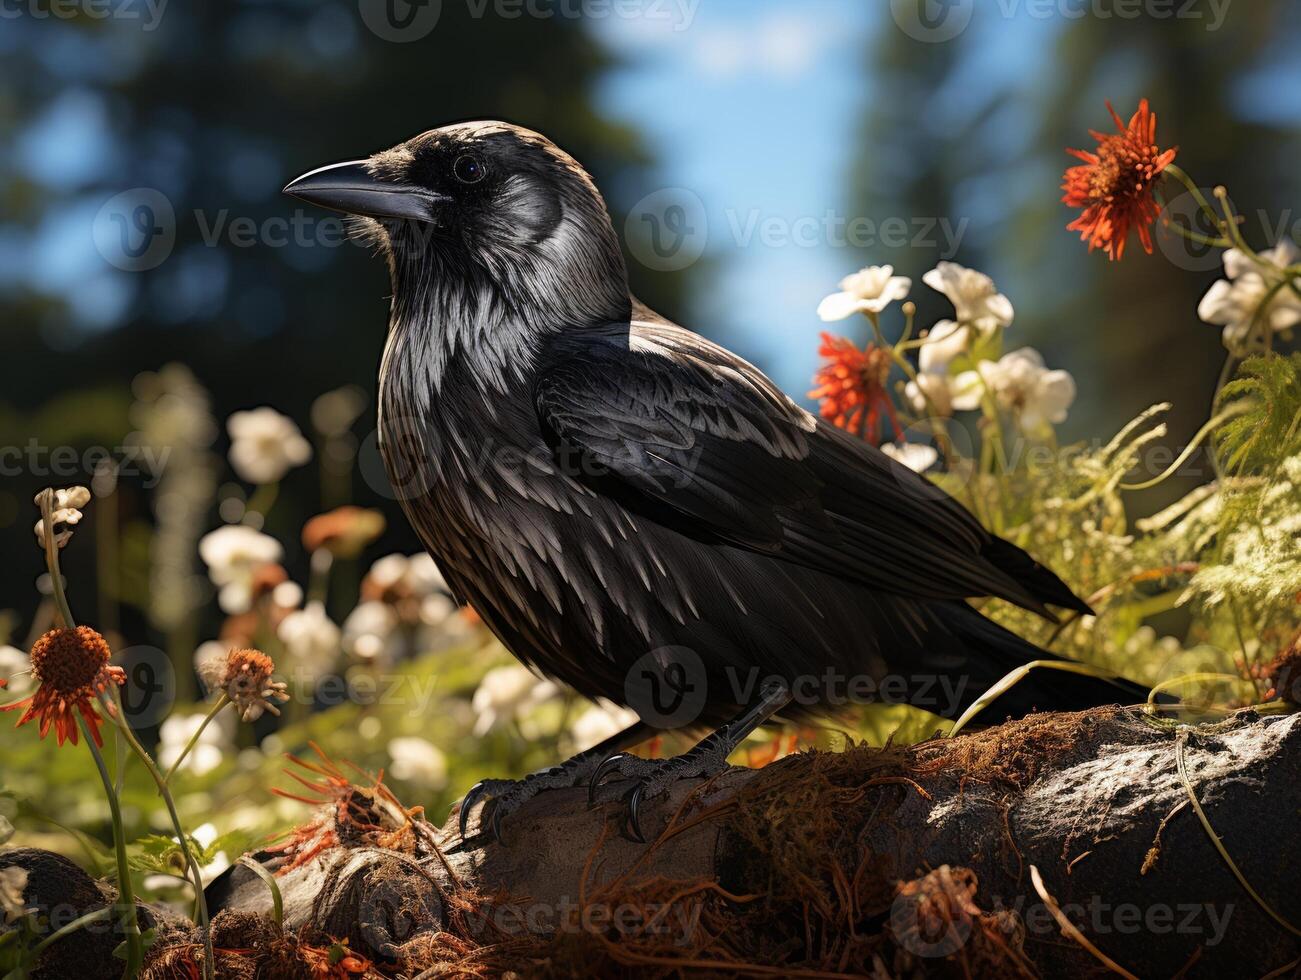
(484, 208)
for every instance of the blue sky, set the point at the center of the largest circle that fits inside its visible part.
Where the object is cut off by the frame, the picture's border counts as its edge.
(754, 107)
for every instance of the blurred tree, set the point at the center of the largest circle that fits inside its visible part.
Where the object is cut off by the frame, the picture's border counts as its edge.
(215, 107)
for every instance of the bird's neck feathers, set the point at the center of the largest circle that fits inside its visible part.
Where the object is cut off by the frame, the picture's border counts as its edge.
(497, 306)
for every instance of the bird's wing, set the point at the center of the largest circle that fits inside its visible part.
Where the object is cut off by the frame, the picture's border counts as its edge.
(685, 432)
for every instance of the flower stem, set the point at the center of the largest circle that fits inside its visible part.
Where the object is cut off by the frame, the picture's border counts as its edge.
(77, 923)
(318, 584)
(1191, 448)
(262, 500)
(194, 739)
(196, 877)
(126, 902)
(1199, 238)
(936, 419)
(1232, 230)
(46, 498)
(1178, 174)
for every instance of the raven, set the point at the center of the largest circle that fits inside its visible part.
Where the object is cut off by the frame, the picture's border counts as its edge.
(637, 511)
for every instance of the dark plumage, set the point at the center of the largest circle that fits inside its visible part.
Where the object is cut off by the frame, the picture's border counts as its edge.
(600, 483)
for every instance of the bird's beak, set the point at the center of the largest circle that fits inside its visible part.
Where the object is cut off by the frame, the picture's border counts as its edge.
(351, 188)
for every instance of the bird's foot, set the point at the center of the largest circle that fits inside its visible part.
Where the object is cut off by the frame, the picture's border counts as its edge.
(641, 780)
(502, 797)
(653, 777)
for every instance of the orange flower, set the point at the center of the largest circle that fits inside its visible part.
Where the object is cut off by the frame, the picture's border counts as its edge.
(72, 669)
(244, 676)
(852, 387)
(345, 531)
(1115, 187)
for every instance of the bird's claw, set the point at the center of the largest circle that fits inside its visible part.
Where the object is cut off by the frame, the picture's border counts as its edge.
(632, 798)
(610, 765)
(483, 788)
(505, 796)
(467, 804)
(650, 778)
(632, 825)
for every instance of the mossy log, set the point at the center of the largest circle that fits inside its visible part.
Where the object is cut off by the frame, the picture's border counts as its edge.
(895, 862)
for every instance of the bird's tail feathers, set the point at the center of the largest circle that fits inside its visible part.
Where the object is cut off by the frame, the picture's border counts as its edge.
(1000, 651)
(1036, 579)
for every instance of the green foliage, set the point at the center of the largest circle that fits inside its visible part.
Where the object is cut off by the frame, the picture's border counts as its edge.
(1257, 562)
(156, 854)
(1268, 429)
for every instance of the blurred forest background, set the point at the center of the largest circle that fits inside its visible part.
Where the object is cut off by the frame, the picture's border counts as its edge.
(952, 118)
(779, 109)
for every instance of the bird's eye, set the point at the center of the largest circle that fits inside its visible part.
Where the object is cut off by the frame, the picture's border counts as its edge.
(468, 170)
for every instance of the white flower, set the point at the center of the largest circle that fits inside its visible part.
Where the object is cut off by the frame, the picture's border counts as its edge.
(506, 693)
(437, 610)
(913, 455)
(287, 595)
(414, 596)
(16, 668)
(233, 553)
(1019, 381)
(1233, 302)
(13, 882)
(973, 295)
(311, 638)
(931, 393)
(943, 342)
(265, 445)
(416, 575)
(213, 744)
(869, 290)
(424, 575)
(370, 632)
(599, 722)
(417, 760)
(65, 510)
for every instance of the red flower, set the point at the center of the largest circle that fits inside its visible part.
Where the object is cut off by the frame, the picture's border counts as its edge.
(1115, 188)
(72, 670)
(852, 387)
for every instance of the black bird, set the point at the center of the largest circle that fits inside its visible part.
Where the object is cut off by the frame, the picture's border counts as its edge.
(637, 511)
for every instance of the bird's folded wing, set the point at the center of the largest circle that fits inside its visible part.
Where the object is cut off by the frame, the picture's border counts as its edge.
(683, 431)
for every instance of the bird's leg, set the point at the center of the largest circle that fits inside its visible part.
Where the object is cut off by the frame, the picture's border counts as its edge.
(708, 757)
(505, 796)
